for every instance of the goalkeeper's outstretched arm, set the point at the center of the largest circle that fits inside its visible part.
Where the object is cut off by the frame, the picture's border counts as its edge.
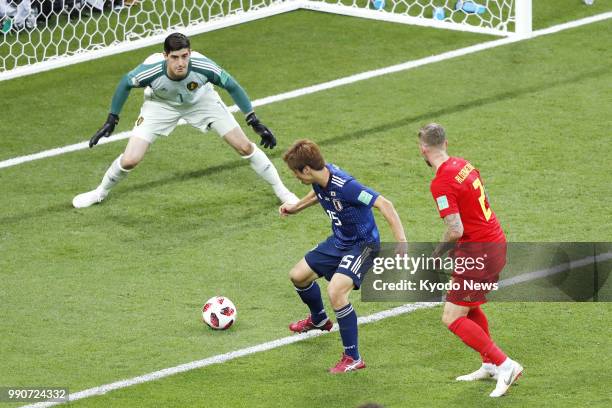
(219, 77)
(121, 94)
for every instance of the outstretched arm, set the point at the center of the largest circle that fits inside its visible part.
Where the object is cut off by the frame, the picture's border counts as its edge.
(388, 211)
(238, 94)
(221, 78)
(121, 94)
(242, 100)
(309, 200)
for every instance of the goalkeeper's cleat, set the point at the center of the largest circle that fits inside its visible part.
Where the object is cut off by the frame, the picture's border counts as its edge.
(305, 325)
(507, 373)
(346, 364)
(89, 198)
(485, 372)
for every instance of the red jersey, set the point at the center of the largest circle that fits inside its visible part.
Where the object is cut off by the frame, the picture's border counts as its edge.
(457, 188)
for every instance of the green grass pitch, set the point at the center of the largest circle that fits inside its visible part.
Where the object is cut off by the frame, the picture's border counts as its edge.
(114, 291)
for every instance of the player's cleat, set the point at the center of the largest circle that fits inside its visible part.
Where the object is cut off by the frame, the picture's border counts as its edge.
(507, 374)
(88, 199)
(346, 364)
(305, 325)
(485, 372)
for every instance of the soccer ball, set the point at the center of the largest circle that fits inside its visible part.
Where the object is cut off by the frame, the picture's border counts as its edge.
(219, 312)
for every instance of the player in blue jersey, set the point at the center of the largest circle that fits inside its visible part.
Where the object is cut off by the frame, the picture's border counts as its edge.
(178, 85)
(346, 254)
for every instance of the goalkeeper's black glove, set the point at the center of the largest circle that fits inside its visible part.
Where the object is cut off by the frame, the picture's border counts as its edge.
(106, 130)
(267, 137)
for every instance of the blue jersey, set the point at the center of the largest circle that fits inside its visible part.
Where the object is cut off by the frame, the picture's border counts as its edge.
(349, 206)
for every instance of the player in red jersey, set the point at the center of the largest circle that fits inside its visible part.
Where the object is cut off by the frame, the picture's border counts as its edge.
(473, 231)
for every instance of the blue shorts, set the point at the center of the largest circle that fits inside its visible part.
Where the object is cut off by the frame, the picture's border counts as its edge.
(326, 260)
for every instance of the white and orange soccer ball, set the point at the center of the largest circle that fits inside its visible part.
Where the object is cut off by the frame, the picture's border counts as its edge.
(219, 313)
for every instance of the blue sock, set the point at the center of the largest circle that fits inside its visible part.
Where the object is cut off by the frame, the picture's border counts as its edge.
(347, 320)
(311, 295)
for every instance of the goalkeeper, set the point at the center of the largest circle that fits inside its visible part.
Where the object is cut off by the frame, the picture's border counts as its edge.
(178, 86)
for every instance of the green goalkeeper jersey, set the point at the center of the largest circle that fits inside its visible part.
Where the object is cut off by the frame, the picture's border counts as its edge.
(201, 74)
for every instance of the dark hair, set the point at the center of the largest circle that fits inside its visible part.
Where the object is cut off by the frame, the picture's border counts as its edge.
(175, 42)
(304, 153)
(432, 134)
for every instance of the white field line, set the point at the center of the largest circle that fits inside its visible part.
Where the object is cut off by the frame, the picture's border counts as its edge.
(339, 82)
(222, 358)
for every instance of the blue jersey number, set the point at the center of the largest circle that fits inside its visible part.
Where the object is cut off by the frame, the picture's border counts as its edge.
(334, 218)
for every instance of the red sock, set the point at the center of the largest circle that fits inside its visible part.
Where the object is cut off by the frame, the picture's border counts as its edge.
(473, 335)
(477, 316)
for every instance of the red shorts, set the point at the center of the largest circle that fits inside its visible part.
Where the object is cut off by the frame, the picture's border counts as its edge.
(476, 272)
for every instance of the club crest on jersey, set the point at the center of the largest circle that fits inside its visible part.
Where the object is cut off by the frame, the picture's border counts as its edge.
(337, 204)
(332, 193)
(192, 86)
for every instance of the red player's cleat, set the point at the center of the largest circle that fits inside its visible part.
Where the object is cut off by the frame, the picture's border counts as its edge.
(302, 326)
(346, 364)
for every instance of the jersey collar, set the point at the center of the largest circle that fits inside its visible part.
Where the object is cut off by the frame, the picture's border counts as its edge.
(329, 168)
(444, 163)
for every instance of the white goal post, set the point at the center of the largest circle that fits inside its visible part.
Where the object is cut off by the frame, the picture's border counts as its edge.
(39, 35)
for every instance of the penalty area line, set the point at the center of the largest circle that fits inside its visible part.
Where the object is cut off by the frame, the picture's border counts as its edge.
(222, 358)
(338, 82)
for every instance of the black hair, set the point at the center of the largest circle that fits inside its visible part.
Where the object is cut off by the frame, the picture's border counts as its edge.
(175, 42)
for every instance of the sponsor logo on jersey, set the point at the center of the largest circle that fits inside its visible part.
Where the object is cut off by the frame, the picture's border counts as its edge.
(442, 203)
(139, 121)
(365, 197)
(192, 86)
(337, 205)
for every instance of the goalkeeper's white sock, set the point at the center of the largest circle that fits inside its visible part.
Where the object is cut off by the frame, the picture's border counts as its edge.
(113, 175)
(266, 170)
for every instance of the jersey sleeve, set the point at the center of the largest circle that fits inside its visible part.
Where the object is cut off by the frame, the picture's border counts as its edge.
(121, 94)
(444, 197)
(358, 194)
(218, 76)
(139, 77)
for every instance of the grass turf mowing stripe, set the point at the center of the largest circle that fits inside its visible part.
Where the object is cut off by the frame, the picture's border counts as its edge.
(337, 82)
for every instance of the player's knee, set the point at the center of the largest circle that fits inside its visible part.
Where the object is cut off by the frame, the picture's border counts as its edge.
(244, 148)
(129, 161)
(447, 319)
(297, 278)
(337, 296)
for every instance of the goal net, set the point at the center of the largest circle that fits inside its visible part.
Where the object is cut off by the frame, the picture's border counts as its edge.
(38, 35)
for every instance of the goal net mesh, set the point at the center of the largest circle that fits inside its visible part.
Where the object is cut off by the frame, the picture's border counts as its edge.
(38, 31)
